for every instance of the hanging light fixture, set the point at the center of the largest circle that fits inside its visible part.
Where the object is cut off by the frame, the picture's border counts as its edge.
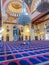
(24, 17)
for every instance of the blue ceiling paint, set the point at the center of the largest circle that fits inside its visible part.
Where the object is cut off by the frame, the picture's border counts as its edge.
(29, 2)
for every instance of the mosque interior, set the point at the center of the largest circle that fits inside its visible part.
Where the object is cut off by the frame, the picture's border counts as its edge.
(24, 32)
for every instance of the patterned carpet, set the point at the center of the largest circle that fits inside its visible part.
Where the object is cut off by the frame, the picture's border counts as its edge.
(24, 53)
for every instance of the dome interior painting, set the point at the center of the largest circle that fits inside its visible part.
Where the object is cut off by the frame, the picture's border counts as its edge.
(15, 7)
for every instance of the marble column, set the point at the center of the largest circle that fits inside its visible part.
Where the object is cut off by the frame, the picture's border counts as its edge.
(32, 35)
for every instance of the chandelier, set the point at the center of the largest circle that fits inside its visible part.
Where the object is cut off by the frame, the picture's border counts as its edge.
(24, 17)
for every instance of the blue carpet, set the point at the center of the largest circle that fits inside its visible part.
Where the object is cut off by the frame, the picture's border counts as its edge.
(1, 64)
(42, 59)
(2, 59)
(21, 51)
(1, 53)
(26, 50)
(38, 52)
(42, 51)
(24, 62)
(31, 53)
(8, 52)
(24, 54)
(18, 55)
(34, 61)
(46, 56)
(12, 63)
(15, 52)
(10, 57)
(47, 50)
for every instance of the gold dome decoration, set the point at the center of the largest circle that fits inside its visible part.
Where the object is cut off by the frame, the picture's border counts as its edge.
(16, 5)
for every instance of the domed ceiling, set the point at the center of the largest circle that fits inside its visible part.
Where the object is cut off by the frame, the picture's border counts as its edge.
(15, 7)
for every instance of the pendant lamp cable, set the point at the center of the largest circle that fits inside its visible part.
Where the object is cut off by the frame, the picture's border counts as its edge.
(23, 6)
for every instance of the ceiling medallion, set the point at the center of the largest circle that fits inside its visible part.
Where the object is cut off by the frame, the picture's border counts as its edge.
(16, 5)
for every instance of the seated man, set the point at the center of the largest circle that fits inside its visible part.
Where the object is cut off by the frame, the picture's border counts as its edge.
(27, 42)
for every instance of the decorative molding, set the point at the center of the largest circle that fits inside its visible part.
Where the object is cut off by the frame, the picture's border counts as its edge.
(9, 23)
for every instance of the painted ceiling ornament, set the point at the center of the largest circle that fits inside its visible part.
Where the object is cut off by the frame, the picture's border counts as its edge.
(43, 6)
(16, 5)
(24, 17)
(28, 2)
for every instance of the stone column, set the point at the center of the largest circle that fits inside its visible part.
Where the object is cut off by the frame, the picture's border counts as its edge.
(24, 38)
(32, 36)
(44, 31)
